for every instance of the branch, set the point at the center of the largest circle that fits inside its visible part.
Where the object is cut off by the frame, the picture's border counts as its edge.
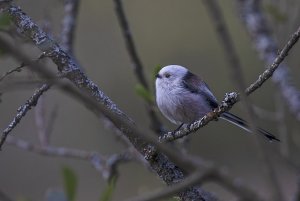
(167, 192)
(258, 28)
(229, 100)
(271, 70)
(232, 98)
(106, 165)
(22, 110)
(136, 62)
(210, 174)
(19, 68)
(238, 78)
(69, 24)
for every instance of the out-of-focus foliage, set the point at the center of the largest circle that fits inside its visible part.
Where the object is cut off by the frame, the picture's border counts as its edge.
(277, 15)
(108, 191)
(144, 93)
(70, 183)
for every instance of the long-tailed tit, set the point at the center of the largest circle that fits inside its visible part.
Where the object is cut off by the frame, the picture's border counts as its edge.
(183, 97)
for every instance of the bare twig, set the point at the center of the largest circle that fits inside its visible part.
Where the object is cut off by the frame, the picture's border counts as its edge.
(40, 121)
(106, 165)
(136, 62)
(164, 193)
(69, 24)
(210, 174)
(238, 79)
(18, 69)
(229, 100)
(258, 28)
(22, 110)
(278, 59)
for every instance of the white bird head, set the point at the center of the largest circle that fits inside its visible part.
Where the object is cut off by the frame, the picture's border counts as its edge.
(170, 76)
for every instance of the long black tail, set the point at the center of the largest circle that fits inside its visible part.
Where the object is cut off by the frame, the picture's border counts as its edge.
(244, 125)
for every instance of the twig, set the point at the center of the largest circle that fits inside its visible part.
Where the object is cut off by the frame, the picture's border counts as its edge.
(269, 71)
(40, 121)
(106, 165)
(257, 26)
(18, 69)
(167, 192)
(136, 62)
(228, 102)
(210, 174)
(22, 110)
(238, 79)
(69, 24)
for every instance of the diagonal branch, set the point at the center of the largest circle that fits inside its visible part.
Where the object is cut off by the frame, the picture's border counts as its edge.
(106, 165)
(136, 62)
(258, 28)
(22, 110)
(231, 99)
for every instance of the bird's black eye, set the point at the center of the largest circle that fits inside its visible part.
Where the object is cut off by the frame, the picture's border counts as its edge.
(167, 75)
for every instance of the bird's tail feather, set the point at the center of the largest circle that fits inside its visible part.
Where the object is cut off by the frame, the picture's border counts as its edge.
(244, 125)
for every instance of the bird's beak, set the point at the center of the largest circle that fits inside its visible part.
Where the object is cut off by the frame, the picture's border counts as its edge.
(158, 76)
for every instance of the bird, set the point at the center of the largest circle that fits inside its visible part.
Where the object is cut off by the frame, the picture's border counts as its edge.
(183, 97)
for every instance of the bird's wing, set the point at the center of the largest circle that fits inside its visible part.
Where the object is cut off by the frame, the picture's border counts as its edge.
(196, 85)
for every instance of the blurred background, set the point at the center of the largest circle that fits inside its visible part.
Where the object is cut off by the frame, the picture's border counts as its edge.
(165, 32)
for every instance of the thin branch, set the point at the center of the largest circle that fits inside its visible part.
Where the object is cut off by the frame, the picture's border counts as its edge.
(71, 8)
(258, 28)
(40, 121)
(106, 165)
(238, 78)
(227, 103)
(17, 69)
(136, 62)
(278, 59)
(210, 174)
(231, 99)
(22, 110)
(167, 192)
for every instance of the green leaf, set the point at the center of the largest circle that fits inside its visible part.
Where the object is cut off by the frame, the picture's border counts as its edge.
(5, 20)
(2, 52)
(276, 13)
(22, 199)
(156, 70)
(108, 191)
(144, 93)
(70, 183)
